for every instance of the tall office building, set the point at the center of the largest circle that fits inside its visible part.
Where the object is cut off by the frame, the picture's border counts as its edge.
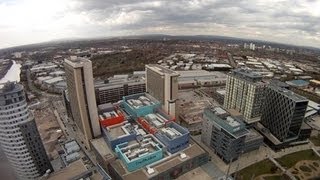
(245, 92)
(283, 112)
(82, 98)
(162, 83)
(19, 136)
(224, 133)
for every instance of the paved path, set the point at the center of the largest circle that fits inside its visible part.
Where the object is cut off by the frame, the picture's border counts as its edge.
(288, 173)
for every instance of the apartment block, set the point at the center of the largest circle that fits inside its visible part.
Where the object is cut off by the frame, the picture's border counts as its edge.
(245, 92)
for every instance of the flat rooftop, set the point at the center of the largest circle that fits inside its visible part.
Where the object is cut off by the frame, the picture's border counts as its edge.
(171, 132)
(288, 93)
(102, 148)
(232, 124)
(134, 150)
(156, 119)
(140, 101)
(192, 151)
(161, 70)
(122, 129)
(247, 74)
(73, 170)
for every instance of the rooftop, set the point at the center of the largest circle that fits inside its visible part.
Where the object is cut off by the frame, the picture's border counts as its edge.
(233, 125)
(140, 100)
(159, 167)
(74, 169)
(288, 93)
(162, 70)
(247, 74)
(298, 83)
(10, 87)
(122, 129)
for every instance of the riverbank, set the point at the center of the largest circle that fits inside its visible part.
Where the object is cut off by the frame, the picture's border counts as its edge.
(4, 67)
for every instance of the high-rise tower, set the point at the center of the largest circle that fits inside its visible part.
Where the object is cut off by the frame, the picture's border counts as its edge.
(19, 136)
(283, 112)
(245, 92)
(162, 83)
(82, 98)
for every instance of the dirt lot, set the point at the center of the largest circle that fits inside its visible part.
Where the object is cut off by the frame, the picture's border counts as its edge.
(47, 126)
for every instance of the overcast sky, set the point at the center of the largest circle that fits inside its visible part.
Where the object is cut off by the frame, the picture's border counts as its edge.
(287, 21)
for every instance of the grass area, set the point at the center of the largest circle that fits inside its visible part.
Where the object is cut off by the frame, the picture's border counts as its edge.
(305, 169)
(315, 140)
(290, 160)
(263, 167)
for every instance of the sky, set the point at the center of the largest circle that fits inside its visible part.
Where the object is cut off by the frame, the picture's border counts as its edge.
(294, 22)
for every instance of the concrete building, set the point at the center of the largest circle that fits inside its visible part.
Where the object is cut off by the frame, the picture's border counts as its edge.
(224, 133)
(283, 113)
(82, 98)
(162, 83)
(19, 137)
(245, 92)
(113, 92)
(110, 115)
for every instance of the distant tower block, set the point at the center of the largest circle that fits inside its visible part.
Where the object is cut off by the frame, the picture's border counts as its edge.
(162, 83)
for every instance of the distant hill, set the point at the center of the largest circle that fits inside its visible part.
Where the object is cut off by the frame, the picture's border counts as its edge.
(157, 37)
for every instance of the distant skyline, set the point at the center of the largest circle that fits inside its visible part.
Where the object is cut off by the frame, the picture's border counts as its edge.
(294, 22)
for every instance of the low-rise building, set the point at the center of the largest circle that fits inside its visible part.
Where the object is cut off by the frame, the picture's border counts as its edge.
(224, 133)
(138, 105)
(174, 137)
(136, 154)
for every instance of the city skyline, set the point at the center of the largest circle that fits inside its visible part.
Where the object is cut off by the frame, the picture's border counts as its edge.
(34, 21)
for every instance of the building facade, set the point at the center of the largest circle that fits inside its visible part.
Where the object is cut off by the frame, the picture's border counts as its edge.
(283, 113)
(224, 133)
(113, 92)
(162, 83)
(82, 98)
(19, 136)
(245, 92)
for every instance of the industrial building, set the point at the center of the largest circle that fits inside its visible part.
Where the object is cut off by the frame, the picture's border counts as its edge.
(199, 78)
(245, 92)
(283, 113)
(162, 83)
(224, 133)
(138, 105)
(82, 98)
(19, 137)
(174, 137)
